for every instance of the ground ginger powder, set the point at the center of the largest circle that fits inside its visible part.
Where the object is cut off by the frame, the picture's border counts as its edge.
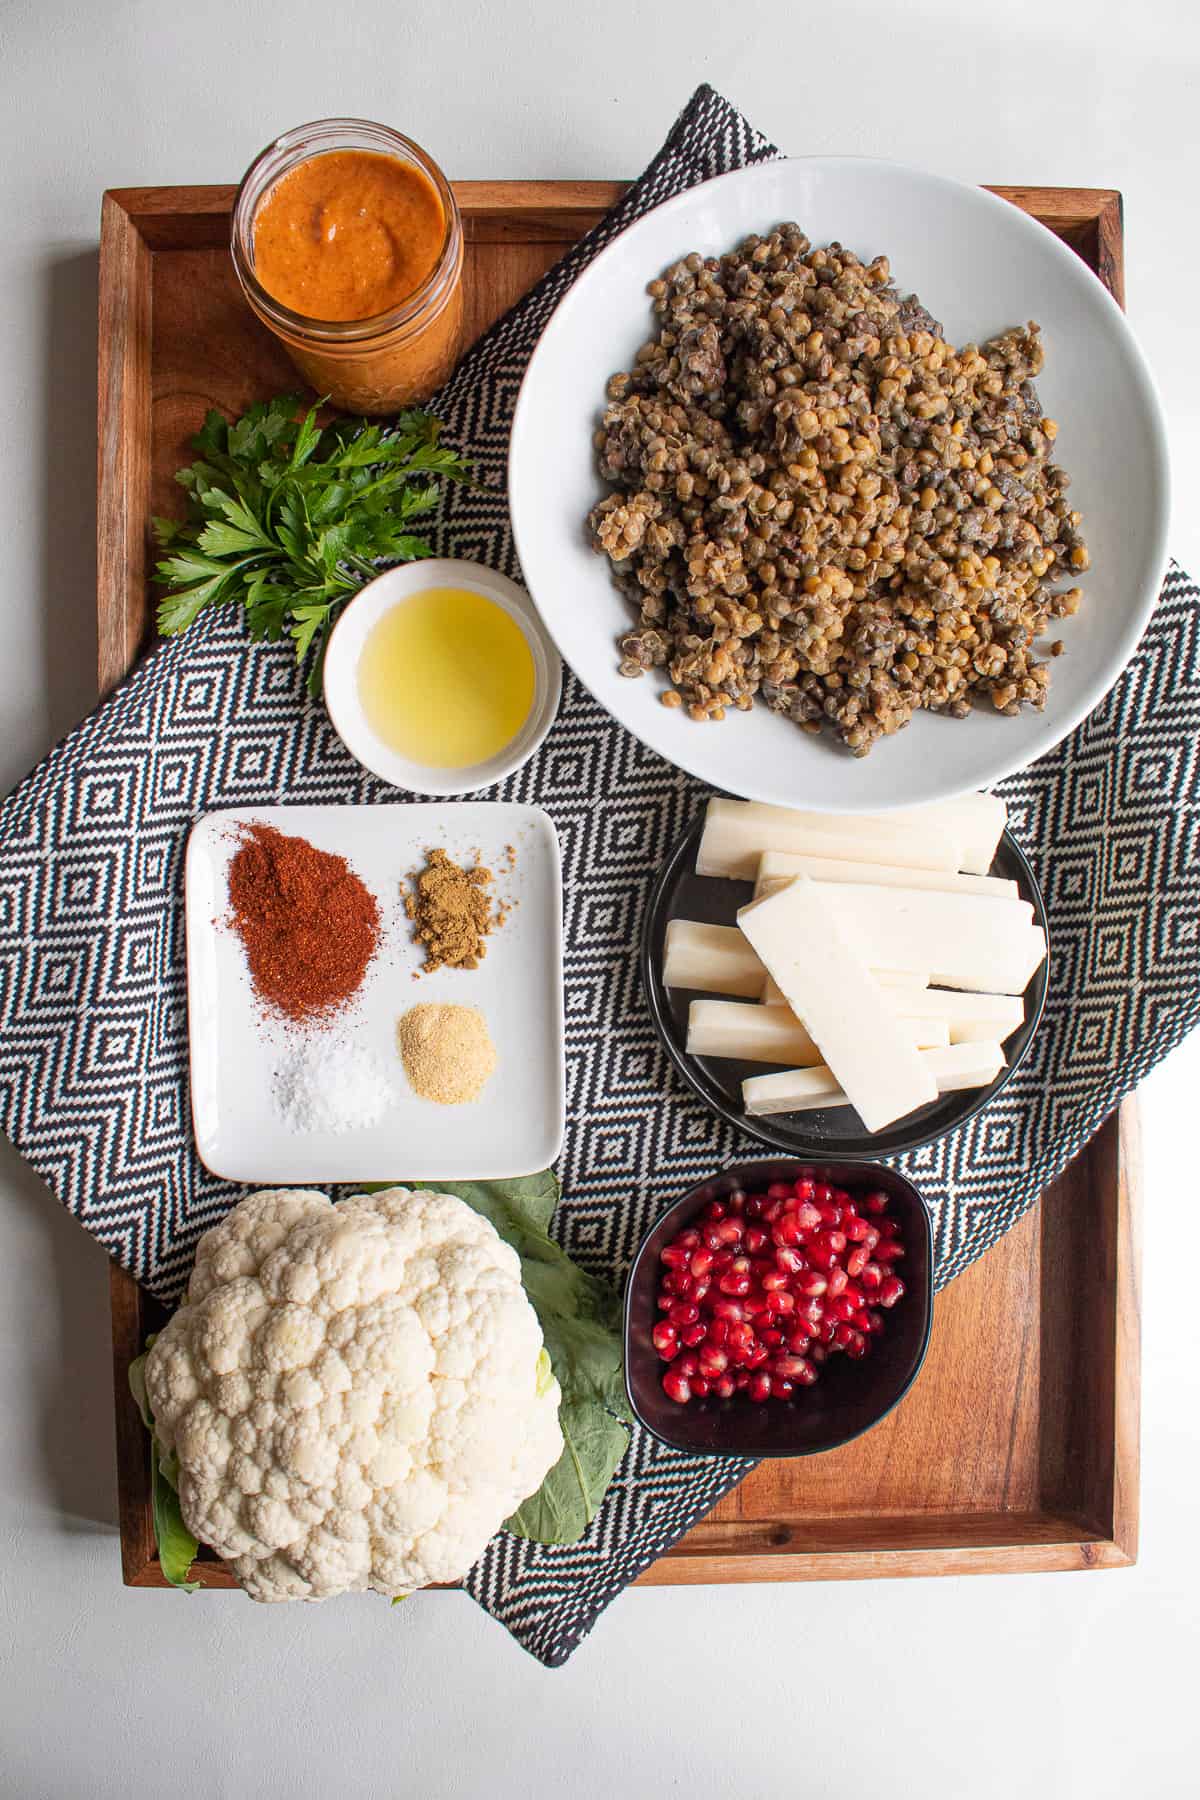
(452, 912)
(447, 1051)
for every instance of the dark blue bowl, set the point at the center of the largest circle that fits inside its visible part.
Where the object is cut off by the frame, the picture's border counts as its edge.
(850, 1397)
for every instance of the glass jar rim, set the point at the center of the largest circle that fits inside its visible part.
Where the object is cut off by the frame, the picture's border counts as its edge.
(320, 137)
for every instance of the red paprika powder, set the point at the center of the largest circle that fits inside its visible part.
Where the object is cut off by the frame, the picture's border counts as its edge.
(308, 923)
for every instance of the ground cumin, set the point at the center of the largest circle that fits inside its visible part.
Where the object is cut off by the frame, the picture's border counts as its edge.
(448, 1052)
(452, 912)
(309, 925)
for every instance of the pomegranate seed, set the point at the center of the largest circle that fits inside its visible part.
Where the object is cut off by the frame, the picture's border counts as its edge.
(891, 1291)
(855, 1228)
(798, 1342)
(753, 1206)
(830, 1211)
(665, 1339)
(687, 1362)
(792, 1366)
(837, 1282)
(790, 1261)
(736, 1201)
(713, 1361)
(771, 1338)
(804, 1188)
(664, 1303)
(857, 1260)
(755, 1240)
(714, 1210)
(888, 1250)
(812, 1283)
(683, 1313)
(742, 1381)
(732, 1282)
(784, 1302)
(771, 1211)
(820, 1255)
(711, 1237)
(718, 1331)
(725, 1308)
(822, 1193)
(756, 1357)
(807, 1216)
(781, 1387)
(774, 1280)
(834, 1241)
(698, 1289)
(672, 1282)
(699, 1386)
(676, 1387)
(844, 1334)
(673, 1256)
(759, 1387)
(861, 1320)
(857, 1346)
(827, 1330)
(874, 1321)
(875, 1202)
(724, 1387)
(841, 1308)
(780, 1190)
(722, 1260)
(871, 1277)
(691, 1335)
(787, 1230)
(871, 1239)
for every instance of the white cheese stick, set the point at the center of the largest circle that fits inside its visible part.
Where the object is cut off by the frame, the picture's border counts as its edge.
(773, 1034)
(830, 988)
(978, 820)
(987, 946)
(716, 959)
(737, 832)
(806, 1089)
(776, 866)
(969, 1018)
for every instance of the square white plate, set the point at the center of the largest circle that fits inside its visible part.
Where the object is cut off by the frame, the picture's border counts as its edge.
(516, 1125)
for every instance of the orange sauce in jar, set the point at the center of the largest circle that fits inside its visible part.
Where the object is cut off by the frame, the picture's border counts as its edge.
(349, 234)
(348, 245)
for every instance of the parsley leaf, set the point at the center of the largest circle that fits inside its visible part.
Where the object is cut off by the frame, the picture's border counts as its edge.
(288, 518)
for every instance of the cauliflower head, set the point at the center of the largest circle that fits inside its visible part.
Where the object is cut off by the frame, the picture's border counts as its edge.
(357, 1394)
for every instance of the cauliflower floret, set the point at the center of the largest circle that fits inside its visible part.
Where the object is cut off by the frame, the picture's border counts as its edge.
(352, 1392)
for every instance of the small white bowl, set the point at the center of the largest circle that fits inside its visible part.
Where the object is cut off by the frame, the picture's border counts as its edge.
(345, 650)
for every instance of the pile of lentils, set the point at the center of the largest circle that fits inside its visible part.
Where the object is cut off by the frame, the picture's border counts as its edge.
(822, 503)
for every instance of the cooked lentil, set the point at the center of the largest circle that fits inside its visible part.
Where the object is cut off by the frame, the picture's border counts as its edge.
(822, 502)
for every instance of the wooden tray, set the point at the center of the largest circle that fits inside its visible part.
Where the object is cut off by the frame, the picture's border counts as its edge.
(1018, 1447)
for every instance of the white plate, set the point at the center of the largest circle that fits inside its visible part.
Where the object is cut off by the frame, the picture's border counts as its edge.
(979, 265)
(516, 1125)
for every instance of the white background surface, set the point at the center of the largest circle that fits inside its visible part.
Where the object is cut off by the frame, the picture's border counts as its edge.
(1067, 1685)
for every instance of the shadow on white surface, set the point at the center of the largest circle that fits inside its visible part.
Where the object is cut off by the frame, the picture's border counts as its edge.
(70, 1403)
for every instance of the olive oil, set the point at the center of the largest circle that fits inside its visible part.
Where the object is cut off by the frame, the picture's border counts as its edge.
(446, 678)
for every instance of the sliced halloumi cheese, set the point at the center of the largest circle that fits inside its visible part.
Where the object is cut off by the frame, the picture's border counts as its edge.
(716, 959)
(806, 1089)
(978, 820)
(737, 832)
(776, 866)
(829, 986)
(987, 946)
(969, 1018)
(773, 1034)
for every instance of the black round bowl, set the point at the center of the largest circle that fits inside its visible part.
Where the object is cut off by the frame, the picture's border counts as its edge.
(830, 1132)
(849, 1398)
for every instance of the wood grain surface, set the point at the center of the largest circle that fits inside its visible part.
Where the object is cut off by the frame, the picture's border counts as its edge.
(1018, 1447)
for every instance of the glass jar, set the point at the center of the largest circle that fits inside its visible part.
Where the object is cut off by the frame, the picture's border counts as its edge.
(375, 365)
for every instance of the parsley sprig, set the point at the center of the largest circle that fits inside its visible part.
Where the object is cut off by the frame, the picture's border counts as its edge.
(289, 518)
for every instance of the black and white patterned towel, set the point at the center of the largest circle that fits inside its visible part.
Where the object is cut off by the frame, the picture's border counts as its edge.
(92, 1010)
